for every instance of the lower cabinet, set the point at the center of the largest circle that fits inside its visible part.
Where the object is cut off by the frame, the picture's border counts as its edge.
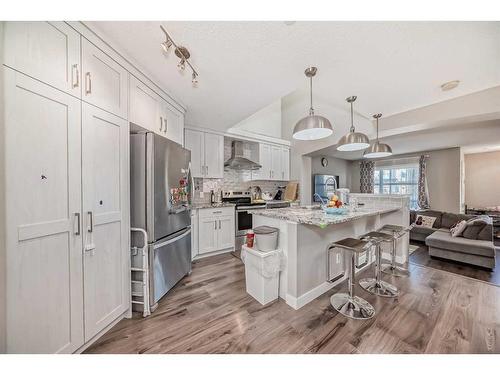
(215, 229)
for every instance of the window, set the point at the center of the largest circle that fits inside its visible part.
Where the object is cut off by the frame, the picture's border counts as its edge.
(398, 180)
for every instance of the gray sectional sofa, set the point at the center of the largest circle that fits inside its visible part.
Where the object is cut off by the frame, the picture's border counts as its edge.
(475, 245)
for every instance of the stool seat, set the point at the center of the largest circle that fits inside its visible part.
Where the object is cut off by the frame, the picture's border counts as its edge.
(352, 244)
(380, 236)
(393, 228)
(397, 232)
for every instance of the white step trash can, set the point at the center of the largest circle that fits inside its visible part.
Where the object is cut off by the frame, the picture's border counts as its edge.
(262, 271)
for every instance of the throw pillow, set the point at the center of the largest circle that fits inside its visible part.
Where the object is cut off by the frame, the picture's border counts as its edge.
(486, 233)
(472, 230)
(458, 228)
(425, 221)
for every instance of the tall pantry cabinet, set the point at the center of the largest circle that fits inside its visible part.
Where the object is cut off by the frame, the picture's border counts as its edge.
(65, 175)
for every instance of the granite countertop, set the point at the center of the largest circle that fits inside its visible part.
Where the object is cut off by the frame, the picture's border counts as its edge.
(208, 205)
(312, 215)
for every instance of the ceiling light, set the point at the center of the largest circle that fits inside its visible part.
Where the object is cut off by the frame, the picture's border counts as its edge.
(377, 149)
(447, 86)
(166, 45)
(182, 53)
(289, 23)
(353, 141)
(312, 127)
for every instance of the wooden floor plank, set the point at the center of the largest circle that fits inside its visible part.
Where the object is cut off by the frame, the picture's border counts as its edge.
(209, 311)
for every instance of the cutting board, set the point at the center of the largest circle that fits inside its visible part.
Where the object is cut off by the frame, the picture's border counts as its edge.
(291, 191)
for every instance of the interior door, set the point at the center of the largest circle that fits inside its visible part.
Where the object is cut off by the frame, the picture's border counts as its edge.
(226, 231)
(196, 144)
(47, 51)
(44, 242)
(144, 106)
(105, 208)
(207, 238)
(214, 155)
(105, 82)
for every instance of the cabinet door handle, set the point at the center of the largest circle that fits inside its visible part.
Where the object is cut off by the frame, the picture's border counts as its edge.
(91, 217)
(165, 122)
(219, 224)
(206, 166)
(215, 224)
(77, 214)
(161, 123)
(74, 69)
(88, 83)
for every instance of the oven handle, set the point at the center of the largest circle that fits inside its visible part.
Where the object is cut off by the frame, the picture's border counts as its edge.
(245, 208)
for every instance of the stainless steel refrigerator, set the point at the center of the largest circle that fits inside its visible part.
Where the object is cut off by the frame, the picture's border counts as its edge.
(161, 193)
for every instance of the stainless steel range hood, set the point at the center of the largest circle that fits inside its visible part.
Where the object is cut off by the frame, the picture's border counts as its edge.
(239, 162)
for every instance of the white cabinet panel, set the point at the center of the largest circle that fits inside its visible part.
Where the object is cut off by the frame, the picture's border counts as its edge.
(144, 106)
(263, 173)
(285, 164)
(47, 51)
(105, 82)
(225, 232)
(276, 156)
(207, 235)
(104, 181)
(173, 123)
(195, 142)
(214, 155)
(44, 246)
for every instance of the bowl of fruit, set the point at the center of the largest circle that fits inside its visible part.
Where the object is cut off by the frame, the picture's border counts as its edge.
(334, 206)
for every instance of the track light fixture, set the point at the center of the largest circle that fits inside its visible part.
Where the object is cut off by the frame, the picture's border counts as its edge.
(182, 53)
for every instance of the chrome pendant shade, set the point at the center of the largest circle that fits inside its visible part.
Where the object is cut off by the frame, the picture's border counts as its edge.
(377, 149)
(313, 126)
(353, 141)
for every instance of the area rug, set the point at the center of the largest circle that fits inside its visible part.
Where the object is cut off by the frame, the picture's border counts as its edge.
(420, 256)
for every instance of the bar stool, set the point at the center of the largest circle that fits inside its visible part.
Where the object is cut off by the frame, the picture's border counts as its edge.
(396, 231)
(376, 285)
(348, 304)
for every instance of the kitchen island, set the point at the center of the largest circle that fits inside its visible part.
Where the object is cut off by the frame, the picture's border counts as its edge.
(306, 232)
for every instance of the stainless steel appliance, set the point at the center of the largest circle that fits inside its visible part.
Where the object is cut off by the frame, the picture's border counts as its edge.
(161, 191)
(244, 204)
(323, 185)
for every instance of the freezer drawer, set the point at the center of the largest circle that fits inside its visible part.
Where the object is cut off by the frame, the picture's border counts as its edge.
(170, 261)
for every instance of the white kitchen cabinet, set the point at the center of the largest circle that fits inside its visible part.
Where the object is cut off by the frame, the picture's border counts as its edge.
(216, 229)
(144, 106)
(207, 153)
(173, 123)
(275, 162)
(195, 142)
(276, 157)
(46, 51)
(105, 82)
(105, 177)
(285, 163)
(44, 226)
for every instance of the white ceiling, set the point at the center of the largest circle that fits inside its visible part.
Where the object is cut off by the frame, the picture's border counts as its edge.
(243, 66)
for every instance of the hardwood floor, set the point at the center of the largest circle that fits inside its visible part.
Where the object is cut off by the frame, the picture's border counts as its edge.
(421, 256)
(210, 312)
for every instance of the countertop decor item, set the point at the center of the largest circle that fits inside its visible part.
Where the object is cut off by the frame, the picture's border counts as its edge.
(353, 141)
(312, 127)
(334, 210)
(377, 149)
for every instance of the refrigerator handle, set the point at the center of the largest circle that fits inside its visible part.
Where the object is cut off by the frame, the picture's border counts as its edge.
(161, 244)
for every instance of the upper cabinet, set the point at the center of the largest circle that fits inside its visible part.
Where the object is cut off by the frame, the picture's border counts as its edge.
(46, 51)
(275, 162)
(105, 82)
(150, 111)
(207, 153)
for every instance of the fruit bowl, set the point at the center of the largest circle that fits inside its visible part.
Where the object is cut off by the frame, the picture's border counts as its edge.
(334, 210)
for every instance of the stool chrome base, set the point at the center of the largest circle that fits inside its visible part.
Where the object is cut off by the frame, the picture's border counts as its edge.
(389, 269)
(352, 307)
(381, 288)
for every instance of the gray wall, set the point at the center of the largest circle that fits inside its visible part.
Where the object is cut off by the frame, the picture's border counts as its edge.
(335, 166)
(443, 178)
(482, 179)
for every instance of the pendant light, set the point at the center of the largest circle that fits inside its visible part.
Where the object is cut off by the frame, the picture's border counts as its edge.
(312, 127)
(353, 141)
(377, 149)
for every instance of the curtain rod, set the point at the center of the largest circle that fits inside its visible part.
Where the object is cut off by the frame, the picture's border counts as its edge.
(394, 159)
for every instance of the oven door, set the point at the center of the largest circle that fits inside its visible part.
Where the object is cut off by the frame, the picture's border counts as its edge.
(243, 222)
